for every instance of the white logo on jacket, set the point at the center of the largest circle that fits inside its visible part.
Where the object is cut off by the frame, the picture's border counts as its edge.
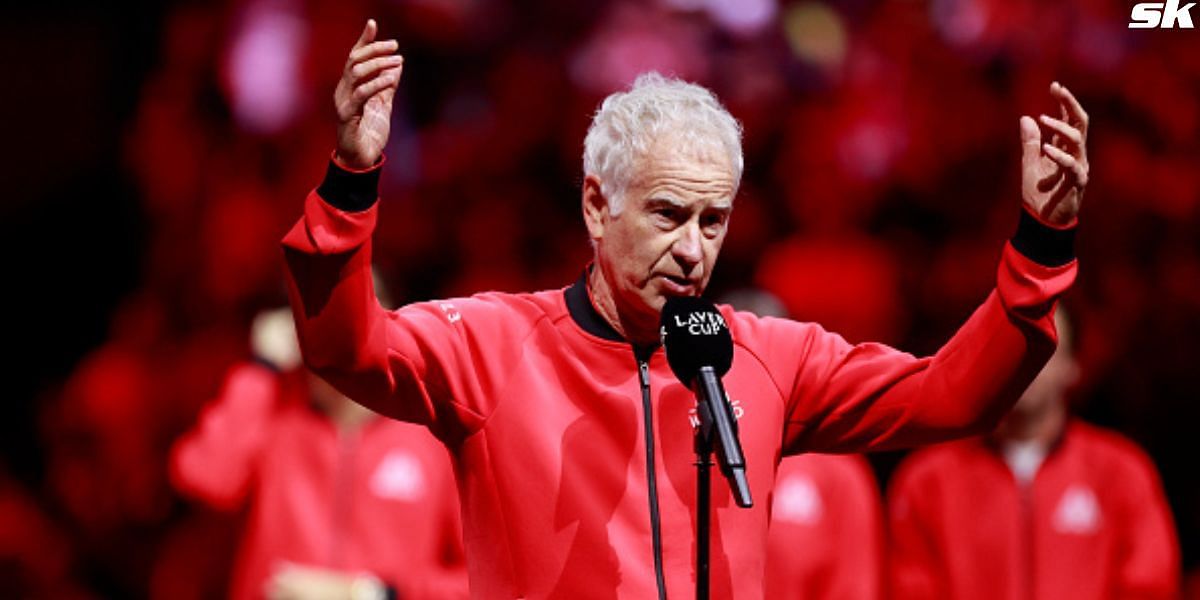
(1078, 511)
(694, 415)
(452, 313)
(399, 476)
(798, 500)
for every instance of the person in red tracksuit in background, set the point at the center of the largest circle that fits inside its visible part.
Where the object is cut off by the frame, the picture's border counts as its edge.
(826, 537)
(341, 502)
(1046, 507)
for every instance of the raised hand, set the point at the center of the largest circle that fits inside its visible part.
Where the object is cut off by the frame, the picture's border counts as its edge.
(1054, 172)
(363, 98)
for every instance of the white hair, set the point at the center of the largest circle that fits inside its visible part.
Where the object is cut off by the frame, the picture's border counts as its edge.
(628, 123)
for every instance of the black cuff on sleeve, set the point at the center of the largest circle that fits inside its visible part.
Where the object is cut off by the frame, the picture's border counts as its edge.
(348, 190)
(390, 593)
(1042, 243)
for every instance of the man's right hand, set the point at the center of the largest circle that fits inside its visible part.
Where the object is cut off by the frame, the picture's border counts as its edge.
(363, 99)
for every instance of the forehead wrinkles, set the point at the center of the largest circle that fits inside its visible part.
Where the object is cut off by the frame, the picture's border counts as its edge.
(684, 169)
(706, 180)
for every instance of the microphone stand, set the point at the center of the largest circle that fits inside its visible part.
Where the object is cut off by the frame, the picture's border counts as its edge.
(717, 428)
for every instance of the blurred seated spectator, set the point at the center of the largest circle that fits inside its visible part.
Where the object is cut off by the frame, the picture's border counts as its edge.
(826, 537)
(1046, 507)
(341, 502)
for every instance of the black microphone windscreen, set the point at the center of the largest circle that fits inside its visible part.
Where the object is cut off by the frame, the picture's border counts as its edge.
(695, 335)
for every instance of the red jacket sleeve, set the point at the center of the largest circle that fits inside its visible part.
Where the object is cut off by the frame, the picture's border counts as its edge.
(428, 363)
(215, 461)
(1149, 562)
(867, 397)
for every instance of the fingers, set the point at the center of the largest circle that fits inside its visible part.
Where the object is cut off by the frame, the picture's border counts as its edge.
(369, 51)
(368, 34)
(1063, 130)
(1072, 167)
(367, 69)
(1074, 113)
(1031, 140)
(388, 79)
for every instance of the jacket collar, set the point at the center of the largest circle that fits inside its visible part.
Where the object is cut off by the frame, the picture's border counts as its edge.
(584, 313)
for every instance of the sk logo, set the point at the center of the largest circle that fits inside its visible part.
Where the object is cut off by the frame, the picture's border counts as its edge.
(1148, 15)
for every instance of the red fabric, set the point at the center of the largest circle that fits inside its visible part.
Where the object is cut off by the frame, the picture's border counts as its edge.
(546, 420)
(826, 538)
(380, 499)
(1094, 524)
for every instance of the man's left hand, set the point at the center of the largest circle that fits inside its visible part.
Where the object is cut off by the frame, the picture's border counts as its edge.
(1054, 167)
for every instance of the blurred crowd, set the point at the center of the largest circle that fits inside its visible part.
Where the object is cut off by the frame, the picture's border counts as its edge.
(881, 180)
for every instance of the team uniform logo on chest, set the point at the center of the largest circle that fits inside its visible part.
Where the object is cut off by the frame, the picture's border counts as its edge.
(399, 476)
(798, 500)
(1078, 511)
(738, 411)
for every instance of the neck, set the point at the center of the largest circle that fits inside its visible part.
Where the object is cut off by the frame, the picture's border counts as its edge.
(602, 297)
(1042, 428)
(347, 415)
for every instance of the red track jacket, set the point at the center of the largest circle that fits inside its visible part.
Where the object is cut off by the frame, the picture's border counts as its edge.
(574, 450)
(826, 539)
(1093, 524)
(379, 500)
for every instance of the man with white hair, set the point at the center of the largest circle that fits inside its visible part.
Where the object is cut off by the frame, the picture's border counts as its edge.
(572, 438)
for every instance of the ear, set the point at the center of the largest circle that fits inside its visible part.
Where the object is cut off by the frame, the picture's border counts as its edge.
(595, 208)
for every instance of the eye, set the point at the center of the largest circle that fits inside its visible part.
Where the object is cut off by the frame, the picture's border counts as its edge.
(668, 216)
(713, 221)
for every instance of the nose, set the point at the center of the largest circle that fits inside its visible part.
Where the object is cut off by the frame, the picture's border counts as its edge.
(687, 250)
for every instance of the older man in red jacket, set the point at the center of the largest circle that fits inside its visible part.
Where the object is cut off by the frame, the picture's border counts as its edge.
(572, 436)
(1047, 507)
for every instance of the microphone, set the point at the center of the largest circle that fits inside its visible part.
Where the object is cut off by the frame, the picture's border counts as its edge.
(700, 352)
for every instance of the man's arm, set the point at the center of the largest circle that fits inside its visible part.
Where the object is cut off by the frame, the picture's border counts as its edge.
(870, 397)
(215, 461)
(339, 322)
(433, 363)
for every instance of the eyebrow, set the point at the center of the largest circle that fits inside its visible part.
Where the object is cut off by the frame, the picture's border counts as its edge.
(666, 199)
(669, 200)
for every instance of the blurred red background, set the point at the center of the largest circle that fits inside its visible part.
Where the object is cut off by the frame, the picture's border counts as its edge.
(158, 151)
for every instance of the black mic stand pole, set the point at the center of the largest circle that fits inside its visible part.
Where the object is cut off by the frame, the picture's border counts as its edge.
(704, 448)
(716, 417)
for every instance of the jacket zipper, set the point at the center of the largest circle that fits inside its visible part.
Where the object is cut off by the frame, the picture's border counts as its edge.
(342, 494)
(651, 479)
